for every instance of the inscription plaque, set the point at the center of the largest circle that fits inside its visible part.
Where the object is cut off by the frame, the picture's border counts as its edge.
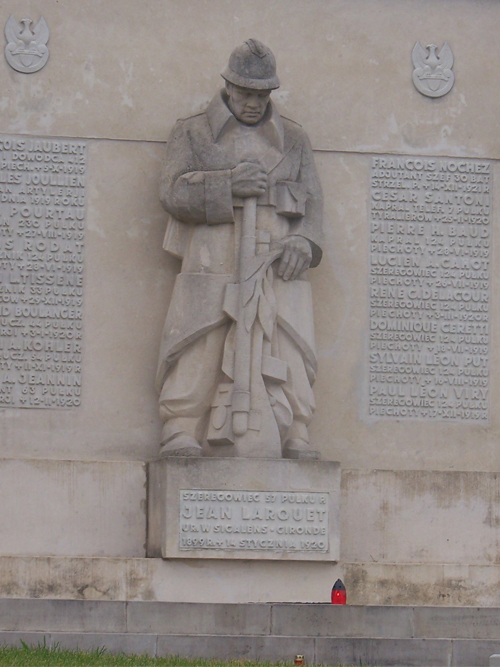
(253, 520)
(42, 208)
(430, 234)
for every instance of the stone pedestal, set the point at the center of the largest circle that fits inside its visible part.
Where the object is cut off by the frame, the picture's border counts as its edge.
(248, 509)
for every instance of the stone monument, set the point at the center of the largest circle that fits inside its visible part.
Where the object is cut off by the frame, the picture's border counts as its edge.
(398, 100)
(237, 359)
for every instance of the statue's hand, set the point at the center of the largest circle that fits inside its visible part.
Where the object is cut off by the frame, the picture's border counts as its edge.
(248, 179)
(296, 257)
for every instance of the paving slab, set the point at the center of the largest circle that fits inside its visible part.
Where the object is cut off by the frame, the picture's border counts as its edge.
(473, 653)
(327, 620)
(62, 615)
(205, 619)
(386, 652)
(465, 623)
(226, 647)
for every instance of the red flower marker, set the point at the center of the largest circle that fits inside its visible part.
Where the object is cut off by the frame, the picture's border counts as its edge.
(339, 595)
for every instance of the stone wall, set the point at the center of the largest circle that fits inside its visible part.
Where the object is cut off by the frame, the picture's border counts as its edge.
(118, 76)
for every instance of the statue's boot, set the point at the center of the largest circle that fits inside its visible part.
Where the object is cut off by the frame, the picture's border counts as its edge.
(297, 448)
(179, 444)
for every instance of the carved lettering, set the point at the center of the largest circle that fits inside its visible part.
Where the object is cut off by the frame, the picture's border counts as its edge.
(42, 210)
(275, 520)
(430, 245)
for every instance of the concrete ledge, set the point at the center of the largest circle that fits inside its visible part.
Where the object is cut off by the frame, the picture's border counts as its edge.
(244, 648)
(65, 615)
(408, 584)
(326, 620)
(465, 623)
(201, 619)
(431, 584)
(387, 652)
(265, 620)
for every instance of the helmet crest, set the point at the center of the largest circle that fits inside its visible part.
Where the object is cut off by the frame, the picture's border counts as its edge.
(252, 65)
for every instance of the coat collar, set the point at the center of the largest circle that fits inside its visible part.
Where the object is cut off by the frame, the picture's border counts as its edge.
(220, 119)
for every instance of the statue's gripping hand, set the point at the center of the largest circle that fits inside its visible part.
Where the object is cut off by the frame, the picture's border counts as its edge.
(248, 179)
(295, 258)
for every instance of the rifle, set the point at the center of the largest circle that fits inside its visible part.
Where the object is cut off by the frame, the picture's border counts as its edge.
(241, 411)
(243, 340)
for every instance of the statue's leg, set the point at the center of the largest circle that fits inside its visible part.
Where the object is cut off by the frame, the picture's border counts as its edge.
(187, 394)
(299, 393)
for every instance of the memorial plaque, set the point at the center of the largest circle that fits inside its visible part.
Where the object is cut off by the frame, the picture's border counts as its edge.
(430, 242)
(244, 509)
(253, 520)
(42, 209)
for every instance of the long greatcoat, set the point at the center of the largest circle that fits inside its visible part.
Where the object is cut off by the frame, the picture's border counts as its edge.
(204, 232)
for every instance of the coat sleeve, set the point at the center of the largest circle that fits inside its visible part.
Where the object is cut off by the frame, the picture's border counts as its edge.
(310, 226)
(188, 192)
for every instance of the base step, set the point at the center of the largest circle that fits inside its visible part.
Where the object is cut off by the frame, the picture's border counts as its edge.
(323, 633)
(330, 651)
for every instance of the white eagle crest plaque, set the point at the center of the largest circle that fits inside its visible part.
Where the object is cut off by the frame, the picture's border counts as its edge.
(432, 75)
(26, 49)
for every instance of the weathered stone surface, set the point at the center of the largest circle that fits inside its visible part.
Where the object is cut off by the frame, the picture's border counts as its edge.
(422, 584)
(93, 508)
(124, 309)
(344, 318)
(445, 517)
(75, 94)
(165, 580)
(69, 489)
(157, 579)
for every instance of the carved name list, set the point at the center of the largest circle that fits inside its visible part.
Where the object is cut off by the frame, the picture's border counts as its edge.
(430, 233)
(253, 520)
(42, 206)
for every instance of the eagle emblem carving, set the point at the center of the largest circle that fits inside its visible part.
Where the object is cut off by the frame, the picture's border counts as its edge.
(432, 75)
(26, 49)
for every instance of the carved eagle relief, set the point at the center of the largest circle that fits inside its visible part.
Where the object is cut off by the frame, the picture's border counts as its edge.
(432, 74)
(26, 49)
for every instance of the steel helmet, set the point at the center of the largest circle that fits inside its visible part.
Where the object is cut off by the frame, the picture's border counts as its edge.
(252, 65)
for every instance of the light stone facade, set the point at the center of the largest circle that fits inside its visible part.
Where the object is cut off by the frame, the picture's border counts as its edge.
(118, 77)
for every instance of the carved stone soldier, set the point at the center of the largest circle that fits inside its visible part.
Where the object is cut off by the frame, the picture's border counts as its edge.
(237, 360)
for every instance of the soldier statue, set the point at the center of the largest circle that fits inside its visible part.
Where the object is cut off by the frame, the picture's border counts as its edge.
(237, 360)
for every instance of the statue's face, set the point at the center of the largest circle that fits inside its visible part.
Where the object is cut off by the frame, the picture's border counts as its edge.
(249, 106)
